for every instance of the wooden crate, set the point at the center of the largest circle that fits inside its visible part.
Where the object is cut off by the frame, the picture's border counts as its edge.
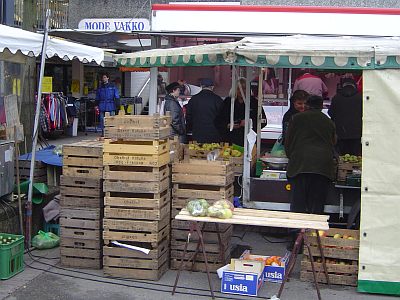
(138, 174)
(80, 224)
(145, 213)
(209, 238)
(81, 192)
(346, 168)
(134, 200)
(182, 193)
(115, 159)
(39, 174)
(140, 147)
(176, 150)
(81, 262)
(81, 171)
(123, 262)
(136, 231)
(211, 257)
(134, 127)
(341, 255)
(200, 167)
(136, 187)
(83, 154)
(80, 244)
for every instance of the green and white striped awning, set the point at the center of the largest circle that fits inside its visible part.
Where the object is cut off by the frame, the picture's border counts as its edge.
(298, 51)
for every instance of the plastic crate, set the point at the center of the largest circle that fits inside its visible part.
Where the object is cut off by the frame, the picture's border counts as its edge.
(51, 227)
(11, 255)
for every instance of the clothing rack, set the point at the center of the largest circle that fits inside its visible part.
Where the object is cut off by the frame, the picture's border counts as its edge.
(53, 112)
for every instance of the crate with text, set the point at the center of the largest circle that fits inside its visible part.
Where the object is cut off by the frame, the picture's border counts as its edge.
(81, 192)
(83, 159)
(134, 127)
(341, 248)
(155, 153)
(121, 261)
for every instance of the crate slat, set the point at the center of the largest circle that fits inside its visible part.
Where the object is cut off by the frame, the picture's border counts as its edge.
(140, 174)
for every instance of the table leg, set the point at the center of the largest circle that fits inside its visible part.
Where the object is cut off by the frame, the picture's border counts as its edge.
(193, 227)
(221, 245)
(182, 260)
(323, 259)
(307, 244)
(292, 260)
(205, 260)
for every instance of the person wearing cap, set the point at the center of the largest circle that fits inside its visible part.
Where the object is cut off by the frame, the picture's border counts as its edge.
(346, 112)
(202, 113)
(172, 105)
(309, 146)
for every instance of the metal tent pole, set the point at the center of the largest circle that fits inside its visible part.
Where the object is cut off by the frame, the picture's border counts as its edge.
(36, 133)
(247, 153)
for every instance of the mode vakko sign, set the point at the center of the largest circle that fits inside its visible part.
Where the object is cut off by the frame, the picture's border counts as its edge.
(114, 25)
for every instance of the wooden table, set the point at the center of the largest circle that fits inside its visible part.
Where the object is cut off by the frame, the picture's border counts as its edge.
(267, 218)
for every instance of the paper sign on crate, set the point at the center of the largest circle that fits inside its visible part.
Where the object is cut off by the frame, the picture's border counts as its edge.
(245, 278)
(272, 273)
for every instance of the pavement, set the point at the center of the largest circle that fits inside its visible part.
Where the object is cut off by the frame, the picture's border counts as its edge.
(44, 278)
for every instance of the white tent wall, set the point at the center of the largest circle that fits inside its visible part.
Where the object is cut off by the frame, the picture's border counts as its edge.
(379, 268)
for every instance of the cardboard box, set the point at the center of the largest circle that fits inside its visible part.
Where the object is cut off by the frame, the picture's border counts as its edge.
(271, 273)
(243, 278)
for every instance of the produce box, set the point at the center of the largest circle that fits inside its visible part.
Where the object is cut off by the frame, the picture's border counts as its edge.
(11, 255)
(274, 269)
(341, 247)
(348, 165)
(243, 278)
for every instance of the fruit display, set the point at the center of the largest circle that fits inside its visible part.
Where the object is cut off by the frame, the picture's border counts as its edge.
(229, 152)
(347, 158)
(226, 151)
(197, 207)
(206, 147)
(221, 209)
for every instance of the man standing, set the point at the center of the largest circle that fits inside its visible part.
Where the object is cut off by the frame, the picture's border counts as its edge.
(346, 112)
(202, 112)
(107, 95)
(310, 83)
(309, 146)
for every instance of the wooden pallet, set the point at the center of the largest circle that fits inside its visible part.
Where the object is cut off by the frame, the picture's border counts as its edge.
(138, 174)
(80, 262)
(80, 243)
(136, 231)
(182, 193)
(134, 127)
(139, 187)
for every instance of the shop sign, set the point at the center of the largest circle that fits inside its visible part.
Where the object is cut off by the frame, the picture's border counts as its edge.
(126, 24)
(47, 84)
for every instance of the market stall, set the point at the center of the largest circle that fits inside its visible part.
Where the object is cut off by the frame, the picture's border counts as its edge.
(378, 58)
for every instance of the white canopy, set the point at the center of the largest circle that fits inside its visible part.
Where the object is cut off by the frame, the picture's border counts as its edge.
(30, 43)
(297, 51)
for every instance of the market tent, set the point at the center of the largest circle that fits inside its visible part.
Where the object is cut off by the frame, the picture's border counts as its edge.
(30, 43)
(297, 51)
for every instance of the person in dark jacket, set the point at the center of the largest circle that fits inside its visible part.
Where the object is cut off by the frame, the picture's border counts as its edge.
(309, 146)
(202, 112)
(106, 97)
(346, 112)
(236, 136)
(172, 105)
(297, 104)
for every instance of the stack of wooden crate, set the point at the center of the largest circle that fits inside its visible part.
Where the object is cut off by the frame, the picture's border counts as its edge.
(210, 180)
(341, 247)
(137, 196)
(81, 205)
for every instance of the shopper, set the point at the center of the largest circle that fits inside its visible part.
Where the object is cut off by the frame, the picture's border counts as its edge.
(346, 112)
(202, 112)
(309, 146)
(310, 83)
(297, 104)
(172, 105)
(107, 97)
(236, 136)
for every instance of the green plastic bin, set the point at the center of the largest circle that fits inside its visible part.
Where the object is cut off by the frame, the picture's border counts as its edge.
(11, 255)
